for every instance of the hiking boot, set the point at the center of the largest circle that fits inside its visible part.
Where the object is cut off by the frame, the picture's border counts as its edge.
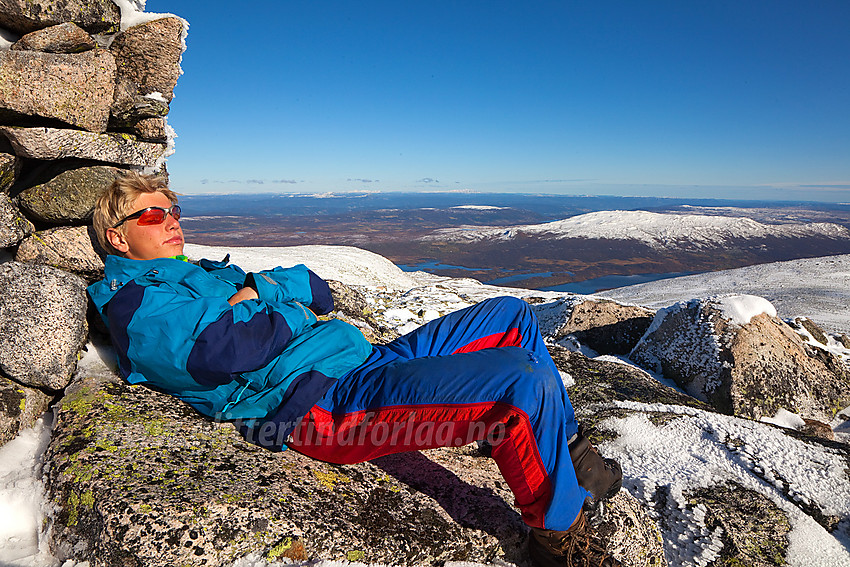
(601, 477)
(576, 547)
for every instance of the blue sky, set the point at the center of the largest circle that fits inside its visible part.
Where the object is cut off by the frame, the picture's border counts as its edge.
(741, 99)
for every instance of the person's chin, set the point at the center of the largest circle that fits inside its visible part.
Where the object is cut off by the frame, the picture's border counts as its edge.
(175, 249)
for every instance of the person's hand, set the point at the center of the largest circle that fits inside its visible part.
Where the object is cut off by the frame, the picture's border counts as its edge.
(246, 292)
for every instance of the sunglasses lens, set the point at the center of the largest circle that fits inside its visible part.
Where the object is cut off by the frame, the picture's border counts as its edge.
(152, 216)
(175, 212)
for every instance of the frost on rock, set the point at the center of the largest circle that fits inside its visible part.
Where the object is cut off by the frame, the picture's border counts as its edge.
(726, 487)
(733, 352)
(681, 344)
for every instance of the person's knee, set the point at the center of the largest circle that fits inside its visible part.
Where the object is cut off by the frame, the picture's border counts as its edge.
(509, 304)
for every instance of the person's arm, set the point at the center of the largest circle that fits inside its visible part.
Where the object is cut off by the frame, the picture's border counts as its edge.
(297, 283)
(246, 292)
(164, 333)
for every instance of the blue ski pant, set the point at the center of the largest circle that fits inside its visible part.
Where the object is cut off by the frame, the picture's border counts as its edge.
(481, 373)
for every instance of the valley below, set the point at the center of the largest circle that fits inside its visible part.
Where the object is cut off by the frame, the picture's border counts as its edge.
(513, 245)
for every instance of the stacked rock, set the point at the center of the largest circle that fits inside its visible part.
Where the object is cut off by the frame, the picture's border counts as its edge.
(83, 97)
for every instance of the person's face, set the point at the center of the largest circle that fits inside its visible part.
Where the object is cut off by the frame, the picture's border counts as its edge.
(148, 242)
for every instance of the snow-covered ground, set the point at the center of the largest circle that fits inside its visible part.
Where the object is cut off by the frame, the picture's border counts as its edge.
(354, 266)
(659, 230)
(678, 456)
(817, 288)
(22, 502)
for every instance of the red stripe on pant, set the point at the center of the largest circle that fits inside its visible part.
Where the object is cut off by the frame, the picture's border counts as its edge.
(511, 337)
(365, 435)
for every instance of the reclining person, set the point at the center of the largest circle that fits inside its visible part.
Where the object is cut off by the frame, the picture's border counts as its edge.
(249, 348)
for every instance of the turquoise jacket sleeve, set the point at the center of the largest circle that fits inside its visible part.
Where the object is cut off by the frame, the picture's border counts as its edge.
(297, 283)
(215, 341)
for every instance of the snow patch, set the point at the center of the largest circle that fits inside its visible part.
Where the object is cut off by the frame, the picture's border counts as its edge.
(349, 265)
(23, 501)
(740, 309)
(707, 450)
(7, 38)
(786, 419)
(480, 207)
(157, 96)
(832, 345)
(817, 288)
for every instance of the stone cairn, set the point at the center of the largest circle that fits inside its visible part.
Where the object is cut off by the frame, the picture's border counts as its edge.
(83, 98)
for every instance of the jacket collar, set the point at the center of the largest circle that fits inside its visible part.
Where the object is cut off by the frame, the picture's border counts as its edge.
(119, 270)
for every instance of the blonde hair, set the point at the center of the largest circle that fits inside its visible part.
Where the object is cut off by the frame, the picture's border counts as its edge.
(119, 199)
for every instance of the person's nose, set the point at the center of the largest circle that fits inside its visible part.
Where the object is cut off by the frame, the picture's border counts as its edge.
(171, 223)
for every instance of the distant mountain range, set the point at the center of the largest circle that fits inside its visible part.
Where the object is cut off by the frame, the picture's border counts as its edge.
(661, 231)
(566, 243)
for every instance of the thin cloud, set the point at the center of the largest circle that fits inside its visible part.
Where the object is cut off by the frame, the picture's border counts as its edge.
(562, 180)
(427, 180)
(364, 180)
(835, 186)
(248, 181)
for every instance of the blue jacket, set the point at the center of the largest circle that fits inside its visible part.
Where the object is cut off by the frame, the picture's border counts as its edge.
(259, 360)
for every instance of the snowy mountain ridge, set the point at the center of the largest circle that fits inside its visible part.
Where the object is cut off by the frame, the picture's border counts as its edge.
(817, 288)
(658, 230)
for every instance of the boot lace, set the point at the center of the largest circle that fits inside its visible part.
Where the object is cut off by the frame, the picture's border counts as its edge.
(579, 547)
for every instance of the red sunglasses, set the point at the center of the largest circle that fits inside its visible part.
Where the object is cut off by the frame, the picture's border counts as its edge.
(151, 215)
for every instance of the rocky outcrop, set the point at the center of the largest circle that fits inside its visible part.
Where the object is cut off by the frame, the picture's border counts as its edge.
(752, 529)
(605, 326)
(10, 166)
(130, 107)
(40, 340)
(716, 514)
(14, 227)
(70, 248)
(62, 38)
(20, 406)
(140, 478)
(151, 130)
(24, 16)
(66, 193)
(352, 307)
(74, 113)
(601, 382)
(75, 89)
(749, 368)
(149, 55)
(55, 143)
